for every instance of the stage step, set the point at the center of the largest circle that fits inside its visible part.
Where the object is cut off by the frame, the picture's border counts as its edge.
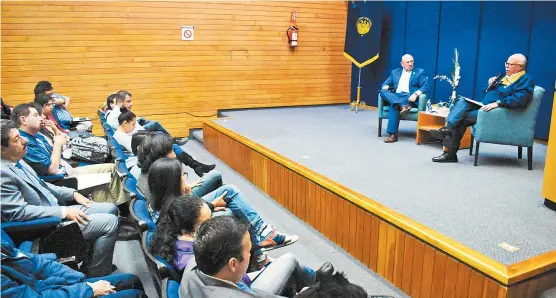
(196, 134)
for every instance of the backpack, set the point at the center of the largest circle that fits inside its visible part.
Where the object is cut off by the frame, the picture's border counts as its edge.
(91, 149)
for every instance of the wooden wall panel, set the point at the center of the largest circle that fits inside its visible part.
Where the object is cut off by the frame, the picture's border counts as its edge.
(239, 58)
(415, 267)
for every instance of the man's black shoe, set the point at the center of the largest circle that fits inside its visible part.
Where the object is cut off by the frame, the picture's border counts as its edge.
(440, 133)
(326, 269)
(446, 157)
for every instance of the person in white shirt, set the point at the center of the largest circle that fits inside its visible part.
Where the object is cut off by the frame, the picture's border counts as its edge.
(401, 91)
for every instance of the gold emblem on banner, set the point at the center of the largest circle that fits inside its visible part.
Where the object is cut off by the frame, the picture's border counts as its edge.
(363, 25)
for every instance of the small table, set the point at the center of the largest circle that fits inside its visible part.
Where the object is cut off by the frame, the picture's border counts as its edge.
(427, 121)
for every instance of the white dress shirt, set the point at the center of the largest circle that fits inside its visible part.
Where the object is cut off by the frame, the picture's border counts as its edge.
(403, 85)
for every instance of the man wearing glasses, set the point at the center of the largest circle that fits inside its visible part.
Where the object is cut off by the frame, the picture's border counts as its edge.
(514, 90)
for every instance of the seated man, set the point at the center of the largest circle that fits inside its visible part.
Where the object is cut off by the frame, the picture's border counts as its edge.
(59, 110)
(124, 104)
(221, 250)
(513, 91)
(24, 196)
(408, 83)
(46, 103)
(32, 275)
(47, 160)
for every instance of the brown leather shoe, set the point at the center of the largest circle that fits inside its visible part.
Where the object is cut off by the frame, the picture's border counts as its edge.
(391, 139)
(405, 110)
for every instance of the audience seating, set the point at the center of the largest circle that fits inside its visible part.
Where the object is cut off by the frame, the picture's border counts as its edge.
(514, 127)
(383, 111)
(170, 288)
(138, 211)
(158, 268)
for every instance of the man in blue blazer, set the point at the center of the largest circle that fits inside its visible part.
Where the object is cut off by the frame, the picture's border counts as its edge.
(24, 196)
(515, 90)
(401, 90)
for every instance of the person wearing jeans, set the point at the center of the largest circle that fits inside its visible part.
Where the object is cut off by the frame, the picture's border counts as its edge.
(225, 200)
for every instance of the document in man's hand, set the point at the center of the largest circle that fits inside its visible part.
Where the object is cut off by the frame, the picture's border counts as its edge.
(472, 101)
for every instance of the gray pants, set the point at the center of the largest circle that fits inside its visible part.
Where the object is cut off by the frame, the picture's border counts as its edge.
(275, 277)
(102, 228)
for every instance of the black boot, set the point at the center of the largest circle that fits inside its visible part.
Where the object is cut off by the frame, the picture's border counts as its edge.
(199, 168)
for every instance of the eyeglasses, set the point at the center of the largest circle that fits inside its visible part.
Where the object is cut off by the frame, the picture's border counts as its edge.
(512, 64)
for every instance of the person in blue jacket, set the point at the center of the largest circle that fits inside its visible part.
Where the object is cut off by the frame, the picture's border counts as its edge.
(401, 91)
(33, 275)
(512, 91)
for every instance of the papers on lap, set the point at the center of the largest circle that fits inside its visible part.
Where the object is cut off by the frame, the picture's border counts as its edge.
(85, 181)
(472, 101)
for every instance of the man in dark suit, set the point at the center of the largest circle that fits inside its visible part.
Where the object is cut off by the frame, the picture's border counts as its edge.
(24, 196)
(515, 90)
(401, 90)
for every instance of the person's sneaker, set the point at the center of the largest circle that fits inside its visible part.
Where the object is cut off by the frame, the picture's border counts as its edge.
(272, 239)
(259, 260)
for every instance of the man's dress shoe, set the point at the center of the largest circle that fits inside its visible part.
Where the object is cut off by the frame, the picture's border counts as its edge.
(391, 139)
(446, 157)
(404, 110)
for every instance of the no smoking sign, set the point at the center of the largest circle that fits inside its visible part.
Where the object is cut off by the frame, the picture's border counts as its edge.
(187, 33)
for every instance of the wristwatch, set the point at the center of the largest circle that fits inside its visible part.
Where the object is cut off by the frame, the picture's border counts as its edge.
(499, 103)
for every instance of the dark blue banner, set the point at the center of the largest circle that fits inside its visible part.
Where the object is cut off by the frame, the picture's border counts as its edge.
(364, 20)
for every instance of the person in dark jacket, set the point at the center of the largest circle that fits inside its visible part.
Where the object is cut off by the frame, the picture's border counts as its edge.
(513, 91)
(33, 275)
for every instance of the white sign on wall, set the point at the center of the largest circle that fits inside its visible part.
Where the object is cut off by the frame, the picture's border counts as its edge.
(187, 33)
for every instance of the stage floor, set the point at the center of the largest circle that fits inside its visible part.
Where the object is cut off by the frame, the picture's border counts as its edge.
(480, 207)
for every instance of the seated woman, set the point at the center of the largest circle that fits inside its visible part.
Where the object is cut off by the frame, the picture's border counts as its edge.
(263, 236)
(174, 238)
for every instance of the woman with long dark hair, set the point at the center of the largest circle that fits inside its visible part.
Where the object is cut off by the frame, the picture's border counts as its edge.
(166, 182)
(174, 238)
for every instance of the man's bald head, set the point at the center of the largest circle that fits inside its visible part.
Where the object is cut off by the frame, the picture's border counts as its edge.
(515, 64)
(407, 62)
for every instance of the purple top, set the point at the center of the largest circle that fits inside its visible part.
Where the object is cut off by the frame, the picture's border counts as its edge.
(184, 255)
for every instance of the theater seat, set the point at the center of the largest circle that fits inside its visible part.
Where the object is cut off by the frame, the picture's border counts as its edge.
(139, 212)
(170, 288)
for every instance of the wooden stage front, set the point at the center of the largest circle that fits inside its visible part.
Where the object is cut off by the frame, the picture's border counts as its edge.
(416, 259)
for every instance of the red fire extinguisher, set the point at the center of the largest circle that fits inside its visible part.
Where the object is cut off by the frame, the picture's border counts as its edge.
(292, 32)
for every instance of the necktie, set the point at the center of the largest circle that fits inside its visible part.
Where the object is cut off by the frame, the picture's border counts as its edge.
(41, 184)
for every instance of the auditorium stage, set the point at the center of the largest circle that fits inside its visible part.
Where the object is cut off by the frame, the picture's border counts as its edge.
(463, 211)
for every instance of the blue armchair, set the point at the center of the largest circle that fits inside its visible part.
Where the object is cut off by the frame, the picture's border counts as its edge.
(159, 268)
(23, 233)
(514, 127)
(412, 115)
(170, 288)
(139, 212)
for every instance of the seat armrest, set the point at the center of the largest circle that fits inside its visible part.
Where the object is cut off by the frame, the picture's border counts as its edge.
(33, 224)
(422, 104)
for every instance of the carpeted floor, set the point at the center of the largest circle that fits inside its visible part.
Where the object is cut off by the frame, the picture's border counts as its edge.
(480, 207)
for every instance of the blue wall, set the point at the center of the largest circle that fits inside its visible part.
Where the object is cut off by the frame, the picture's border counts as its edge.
(485, 33)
